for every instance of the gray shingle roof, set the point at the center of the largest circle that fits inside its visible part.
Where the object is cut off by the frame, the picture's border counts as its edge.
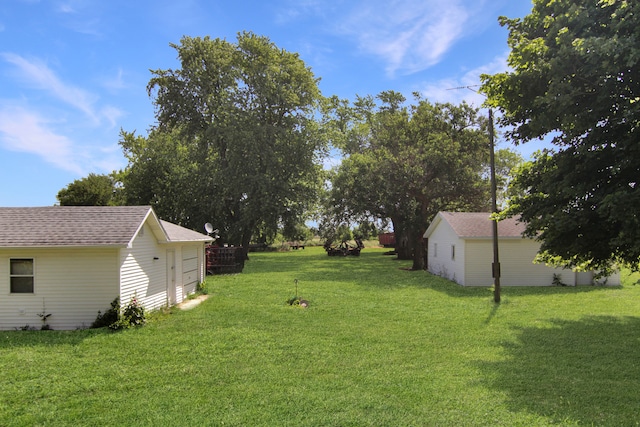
(478, 225)
(177, 233)
(69, 226)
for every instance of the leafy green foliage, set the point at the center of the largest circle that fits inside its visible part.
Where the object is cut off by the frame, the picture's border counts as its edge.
(109, 317)
(236, 144)
(93, 190)
(576, 77)
(117, 318)
(296, 232)
(407, 163)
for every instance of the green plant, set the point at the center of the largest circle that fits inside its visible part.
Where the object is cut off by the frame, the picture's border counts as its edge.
(132, 315)
(557, 280)
(117, 317)
(109, 317)
(202, 289)
(44, 316)
(297, 300)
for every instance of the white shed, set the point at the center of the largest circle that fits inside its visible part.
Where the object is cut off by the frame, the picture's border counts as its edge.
(460, 248)
(72, 261)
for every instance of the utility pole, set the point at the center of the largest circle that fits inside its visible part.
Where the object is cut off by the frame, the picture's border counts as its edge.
(495, 266)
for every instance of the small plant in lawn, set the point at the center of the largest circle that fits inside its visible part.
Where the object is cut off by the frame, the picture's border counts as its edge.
(297, 300)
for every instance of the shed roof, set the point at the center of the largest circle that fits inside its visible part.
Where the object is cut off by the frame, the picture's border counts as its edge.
(178, 233)
(72, 226)
(477, 225)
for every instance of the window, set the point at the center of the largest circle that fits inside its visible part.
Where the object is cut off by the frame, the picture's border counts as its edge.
(453, 252)
(435, 250)
(21, 275)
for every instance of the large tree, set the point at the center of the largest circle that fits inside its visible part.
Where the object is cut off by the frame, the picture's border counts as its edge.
(236, 141)
(92, 190)
(576, 78)
(407, 163)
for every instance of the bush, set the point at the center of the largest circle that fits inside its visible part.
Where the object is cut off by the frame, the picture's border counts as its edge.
(133, 314)
(117, 318)
(109, 317)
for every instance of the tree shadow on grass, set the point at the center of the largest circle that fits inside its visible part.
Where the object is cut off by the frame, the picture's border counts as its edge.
(583, 372)
(453, 289)
(37, 338)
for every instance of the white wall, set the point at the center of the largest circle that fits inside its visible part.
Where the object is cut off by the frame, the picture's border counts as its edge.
(190, 268)
(73, 284)
(439, 257)
(147, 279)
(143, 271)
(516, 264)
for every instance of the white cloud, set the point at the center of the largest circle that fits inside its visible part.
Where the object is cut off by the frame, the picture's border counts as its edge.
(51, 131)
(22, 130)
(115, 82)
(463, 88)
(409, 35)
(66, 8)
(38, 75)
(296, 9)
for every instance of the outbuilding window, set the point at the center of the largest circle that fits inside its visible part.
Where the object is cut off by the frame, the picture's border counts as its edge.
(453, 252)
(21, 275)
(435, 250)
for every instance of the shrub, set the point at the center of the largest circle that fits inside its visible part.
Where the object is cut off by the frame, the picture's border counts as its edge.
(202, 289)
(117, 318)
(133, 314)
(108, 317)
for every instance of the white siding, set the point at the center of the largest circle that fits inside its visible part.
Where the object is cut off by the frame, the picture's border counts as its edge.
(588, 278)
(190, 275)
(143, 271)
(516, 264)
(73, 285)
(189, 268)
(440, 262)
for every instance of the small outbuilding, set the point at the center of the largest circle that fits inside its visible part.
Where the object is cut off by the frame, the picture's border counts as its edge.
(73, 261)
(460, 248)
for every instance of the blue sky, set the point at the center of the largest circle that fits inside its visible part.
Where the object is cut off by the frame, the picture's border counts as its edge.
(74, 72)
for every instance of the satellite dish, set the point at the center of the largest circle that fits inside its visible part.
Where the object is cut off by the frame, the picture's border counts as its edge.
(208, 227)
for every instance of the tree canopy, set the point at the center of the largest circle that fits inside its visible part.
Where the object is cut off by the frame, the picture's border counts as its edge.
(93, 190)
(576, 78)
(407, 163)
(236, 141)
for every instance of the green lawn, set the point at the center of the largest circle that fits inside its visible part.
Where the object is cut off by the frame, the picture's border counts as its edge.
(378, 346)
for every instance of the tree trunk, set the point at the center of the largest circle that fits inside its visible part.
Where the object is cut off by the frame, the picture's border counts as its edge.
(404, 248)
(246, 240)
(419, 252)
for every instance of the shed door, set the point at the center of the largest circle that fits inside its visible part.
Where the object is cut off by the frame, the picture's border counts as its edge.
(190, 271)
(171, 277)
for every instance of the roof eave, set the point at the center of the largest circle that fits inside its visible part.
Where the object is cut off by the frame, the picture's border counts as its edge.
(70, 246)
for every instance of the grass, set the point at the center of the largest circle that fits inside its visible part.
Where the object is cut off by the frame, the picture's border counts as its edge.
(378, 346)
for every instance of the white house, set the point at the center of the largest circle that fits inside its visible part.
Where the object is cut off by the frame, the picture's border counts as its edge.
(72, 261)
(460, 248)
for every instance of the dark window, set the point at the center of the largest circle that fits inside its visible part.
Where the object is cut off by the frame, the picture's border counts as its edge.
(21, 275)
